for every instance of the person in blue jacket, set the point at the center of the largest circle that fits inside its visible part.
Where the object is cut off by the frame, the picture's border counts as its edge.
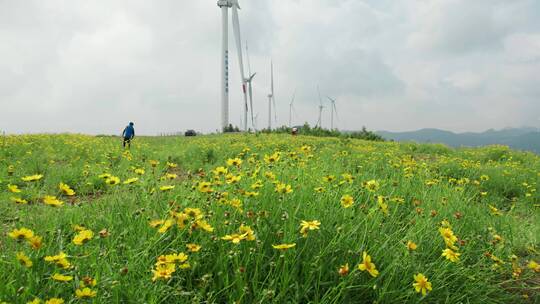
(128, 134)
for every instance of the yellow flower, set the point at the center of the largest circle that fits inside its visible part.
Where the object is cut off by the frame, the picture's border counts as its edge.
(54, 301)
(171, 165)
(411, 245)
(205, 187)
(21, 234)
(174, 258)
(494, 210)
(534, 266)
(167, 224)
(32, 178)
(85, 293)
(18, 200)
(202, 224)
(484, 178)
(328, 178)
(34, 301)
(14, 188)
(344, 270)
(60, 260)
(421, 284)
(220, 171)
(382, 205)
(83, 237)
(283, 188)
(250, 234)
(193, 247)
(112, 180)
(234, 238)
(451, 255)
(271, 159)
(348, 178)
(372, 185)
(305, 226)
(319, 189)
(166, 188)
(170, 176)
(24, 259)
(66, 189)
(367, 265)
(163, 271)
(139, 171)
(347, 201)
(61, 278)
(130, 181)
(232, 179)
(153, 163)
(448, 236)
(35, 242)
(284, 246)
(52, 201)
(234, 162)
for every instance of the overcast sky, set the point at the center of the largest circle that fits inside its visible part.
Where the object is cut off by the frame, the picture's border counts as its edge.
(92, 66)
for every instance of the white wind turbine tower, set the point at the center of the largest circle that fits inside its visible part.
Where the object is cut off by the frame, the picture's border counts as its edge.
(271, 99)
(321, 107)
(249, 80)
(291, 108)
(225, 5)
(334, 109)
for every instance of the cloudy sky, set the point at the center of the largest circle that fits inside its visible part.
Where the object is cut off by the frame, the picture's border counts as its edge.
(92, 66)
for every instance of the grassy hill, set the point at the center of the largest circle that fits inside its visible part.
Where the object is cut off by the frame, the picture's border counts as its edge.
(265, 219)
(518, 138)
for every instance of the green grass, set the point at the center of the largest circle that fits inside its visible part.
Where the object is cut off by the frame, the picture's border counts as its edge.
(253, 271)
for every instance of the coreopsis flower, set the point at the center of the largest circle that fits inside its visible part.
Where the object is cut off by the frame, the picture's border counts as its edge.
(202, 224)
(382, 205)
(83, 237)
(167, 224)
(195, 213)
(319, 189)
(18, 200)
(105, 175)
(193, 247)
(130, 181)
(306, 226)
(484, 178)
(250, 234)
(21, 234)
(163, 271)
(85, 293)
(232, 179)
(220, 171)
(59, 260)
(284, 246)
(328, 178)
(347, 201)
(66, 189)
(170, 176)
(533, 266)
(283, 188)
(52, 201)
(270, 175)
(35, 242)
(55, 301)
(112, 180)
(235, 238)
(205, 187)
(344, 270)
(411, 245)
(24, 259)
(494, 210)
(372, 185)
(171, 165)
(348, 178)
(368, 265)
(88, 282)
(421, 284)
(61, 278)
(166, 188)
(257, 185)
(272, 159)
(153, 163)
(32, 178)
(34, 301)
(14, 188)
(234, 162)
(139, 171)
(451, 255)
(449, 238)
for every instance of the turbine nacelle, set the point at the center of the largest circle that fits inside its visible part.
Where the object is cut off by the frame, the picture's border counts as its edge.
(225, 3)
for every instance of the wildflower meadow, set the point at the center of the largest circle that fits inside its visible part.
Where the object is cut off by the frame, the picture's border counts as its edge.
(265, 218)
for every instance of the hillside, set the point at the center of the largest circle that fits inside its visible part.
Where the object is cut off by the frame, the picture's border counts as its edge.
(518, 138)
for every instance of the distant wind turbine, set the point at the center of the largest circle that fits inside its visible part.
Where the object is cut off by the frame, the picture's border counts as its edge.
(291, 108)
(334, 109)
(321, 107)
(271, 98)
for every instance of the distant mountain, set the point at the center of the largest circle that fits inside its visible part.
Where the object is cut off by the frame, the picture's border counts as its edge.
(517, 138)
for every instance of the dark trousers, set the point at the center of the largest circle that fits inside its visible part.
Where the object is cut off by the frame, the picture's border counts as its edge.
(127, 141)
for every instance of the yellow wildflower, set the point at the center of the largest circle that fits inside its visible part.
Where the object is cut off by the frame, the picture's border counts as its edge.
(368, 265)
(24, 259)
(421, 284)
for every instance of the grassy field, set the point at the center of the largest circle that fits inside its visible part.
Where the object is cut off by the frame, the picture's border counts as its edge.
(265, 219)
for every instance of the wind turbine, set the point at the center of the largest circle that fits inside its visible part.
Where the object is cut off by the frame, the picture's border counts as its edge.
(249, 80)
(271, 99)
(321, 107)
(291, 109)
(334, 109)
(225, 5)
